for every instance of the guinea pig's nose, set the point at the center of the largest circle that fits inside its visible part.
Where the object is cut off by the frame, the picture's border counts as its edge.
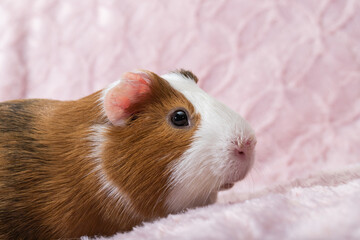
(245, 148)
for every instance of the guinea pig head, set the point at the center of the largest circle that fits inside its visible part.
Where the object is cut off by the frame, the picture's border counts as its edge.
(168, 145)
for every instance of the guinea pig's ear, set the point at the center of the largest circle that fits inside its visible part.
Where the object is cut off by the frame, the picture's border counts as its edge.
(118, 99)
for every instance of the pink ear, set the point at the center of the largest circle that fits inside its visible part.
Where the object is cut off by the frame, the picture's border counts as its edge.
(129, 91)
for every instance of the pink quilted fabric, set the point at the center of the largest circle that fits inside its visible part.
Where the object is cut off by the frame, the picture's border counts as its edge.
(291, 68)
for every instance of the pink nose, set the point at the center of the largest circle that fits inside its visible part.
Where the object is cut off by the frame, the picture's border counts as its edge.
(244, 149)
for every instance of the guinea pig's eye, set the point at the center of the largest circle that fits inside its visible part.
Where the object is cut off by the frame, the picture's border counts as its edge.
(179, 118)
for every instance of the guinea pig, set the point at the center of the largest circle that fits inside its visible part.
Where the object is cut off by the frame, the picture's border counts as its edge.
(143, 148)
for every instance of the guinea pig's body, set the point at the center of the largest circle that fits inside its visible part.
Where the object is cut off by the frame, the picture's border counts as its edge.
(145, 147)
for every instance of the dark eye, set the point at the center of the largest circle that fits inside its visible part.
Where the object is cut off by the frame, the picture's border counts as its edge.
(179, 118)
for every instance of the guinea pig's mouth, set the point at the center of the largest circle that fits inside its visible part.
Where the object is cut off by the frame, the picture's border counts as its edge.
(226, 186)
(235, 177)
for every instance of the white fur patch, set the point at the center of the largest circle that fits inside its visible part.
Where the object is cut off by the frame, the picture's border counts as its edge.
(209, 162)
(108, 188)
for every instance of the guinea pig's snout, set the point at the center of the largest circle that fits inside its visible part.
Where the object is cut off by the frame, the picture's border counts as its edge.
(241, 160)
(244, 149)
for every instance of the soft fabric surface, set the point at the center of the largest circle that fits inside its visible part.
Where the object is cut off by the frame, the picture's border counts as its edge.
(291, 68)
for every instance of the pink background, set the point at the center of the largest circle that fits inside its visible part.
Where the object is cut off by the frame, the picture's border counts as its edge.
(291, 68)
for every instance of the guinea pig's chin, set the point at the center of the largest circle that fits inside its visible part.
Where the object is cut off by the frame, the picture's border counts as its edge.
(236, 172)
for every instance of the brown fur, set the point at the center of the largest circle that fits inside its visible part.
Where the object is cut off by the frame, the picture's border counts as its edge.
(48, 186)
(187, 74)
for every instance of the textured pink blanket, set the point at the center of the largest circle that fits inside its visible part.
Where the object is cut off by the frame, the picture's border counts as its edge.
(325, 206)
(291, 68)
